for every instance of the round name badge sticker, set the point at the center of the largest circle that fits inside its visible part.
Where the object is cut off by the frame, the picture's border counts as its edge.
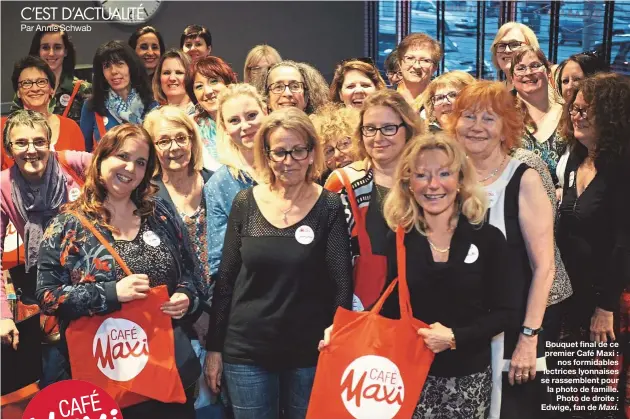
(473, 254)
(72, 399)
(304, 235)
(151, 238)
(105, 120)
(571, 179)
(74, 194)
(64, 99)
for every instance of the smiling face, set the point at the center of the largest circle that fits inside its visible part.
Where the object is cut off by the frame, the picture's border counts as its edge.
(355, 88)
(242, 117)
(530, 75)
(443, 102)
(337, 153)
(117, 76)
(289, 172)
(381, 148)
(52, 50)
(148, 49)
(417, 64)
(30, 148)
(286, 98)
(123, 171)
(504, 58)
(196, 48)
(433, 183)
(36, 97)
(583, 128)
(172, 78)
(206, 90)
(571, 76)
(173, 156)
(479, 131)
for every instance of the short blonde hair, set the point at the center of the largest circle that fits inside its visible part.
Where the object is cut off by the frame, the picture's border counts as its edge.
(401, 208)
(255, 55)
(335, 121)
(229, 153)
(291, 119)
(176, 116)
(395, 101)
(457, 79)
(528, 34)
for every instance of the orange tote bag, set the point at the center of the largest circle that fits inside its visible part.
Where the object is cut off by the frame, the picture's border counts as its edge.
(129, 353)
(374, 367)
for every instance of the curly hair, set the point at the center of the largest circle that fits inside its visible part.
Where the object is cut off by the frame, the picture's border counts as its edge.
(401, 209)
(456, 79)
(315, 86)
(493, 96)
(369, 70)
(92, 200)
(185, 61)
(69, 61)
(335, 121)
(608, 98)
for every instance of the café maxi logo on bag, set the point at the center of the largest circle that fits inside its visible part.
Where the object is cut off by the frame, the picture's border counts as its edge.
(372, 387)
(121, 349)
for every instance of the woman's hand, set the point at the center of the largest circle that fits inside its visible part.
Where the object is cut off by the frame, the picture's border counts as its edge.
(326, 341)
(9, 333)
(213, 370)
(177, 307)
(523, 363)
(132, 287)
(602, 325)
(437, 337)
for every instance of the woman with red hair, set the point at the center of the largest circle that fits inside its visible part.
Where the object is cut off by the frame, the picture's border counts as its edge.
(210, 76)
(488, 125)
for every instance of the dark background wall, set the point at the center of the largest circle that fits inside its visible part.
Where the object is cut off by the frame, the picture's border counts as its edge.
(321, 33)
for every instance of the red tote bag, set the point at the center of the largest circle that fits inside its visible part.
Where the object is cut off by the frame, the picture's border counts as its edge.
(129, 353)
(374, 367)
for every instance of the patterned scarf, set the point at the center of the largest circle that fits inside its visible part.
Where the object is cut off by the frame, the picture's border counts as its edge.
(130, 110)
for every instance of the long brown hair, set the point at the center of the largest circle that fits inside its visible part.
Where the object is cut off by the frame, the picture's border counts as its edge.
(92, 200)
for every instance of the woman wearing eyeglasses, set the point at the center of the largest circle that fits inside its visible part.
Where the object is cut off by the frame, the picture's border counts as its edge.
(593, 230)
(210, 76)
(353, 81)
(285, 269)
(440, 96)
(291, 84)
(510, 37)
(386, 123)
(530, 72)
(33, 83)
(32, 193)
(257, 63)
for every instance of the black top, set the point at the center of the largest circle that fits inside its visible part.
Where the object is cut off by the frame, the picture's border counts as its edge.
(472, 293)
(274, 296)
(375, 224)
(593, 235)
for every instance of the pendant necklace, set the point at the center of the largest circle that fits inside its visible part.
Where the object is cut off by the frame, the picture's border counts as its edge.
(284, 215)
(495, 171)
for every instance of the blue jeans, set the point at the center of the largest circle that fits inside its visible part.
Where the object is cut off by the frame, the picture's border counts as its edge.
(257, 393)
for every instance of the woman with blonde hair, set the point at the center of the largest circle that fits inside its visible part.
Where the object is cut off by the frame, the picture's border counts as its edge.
(172, 76)
(510, 37)
(257, 62)
(292, 84)
(285, 270)
(240, 111)
(386, 123)
(456, 275)
(440, 96)
(353, 81)
(336, 125)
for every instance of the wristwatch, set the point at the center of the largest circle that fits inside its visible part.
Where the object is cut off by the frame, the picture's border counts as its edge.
(528, 331)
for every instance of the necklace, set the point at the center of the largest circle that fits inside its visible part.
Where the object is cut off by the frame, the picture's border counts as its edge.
(437, 249)
(495, 171)
(285, 219)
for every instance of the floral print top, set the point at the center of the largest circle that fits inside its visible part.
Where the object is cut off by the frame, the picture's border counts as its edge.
(196, 225)
(549, 150)
(77, 274)
(208, 131)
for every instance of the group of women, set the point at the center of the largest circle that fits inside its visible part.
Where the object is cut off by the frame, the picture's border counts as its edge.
(265, 205)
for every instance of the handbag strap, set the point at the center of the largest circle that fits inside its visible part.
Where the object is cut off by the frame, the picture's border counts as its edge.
(103, 241)
(100, 124)
(401, 280)
(77, 86)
